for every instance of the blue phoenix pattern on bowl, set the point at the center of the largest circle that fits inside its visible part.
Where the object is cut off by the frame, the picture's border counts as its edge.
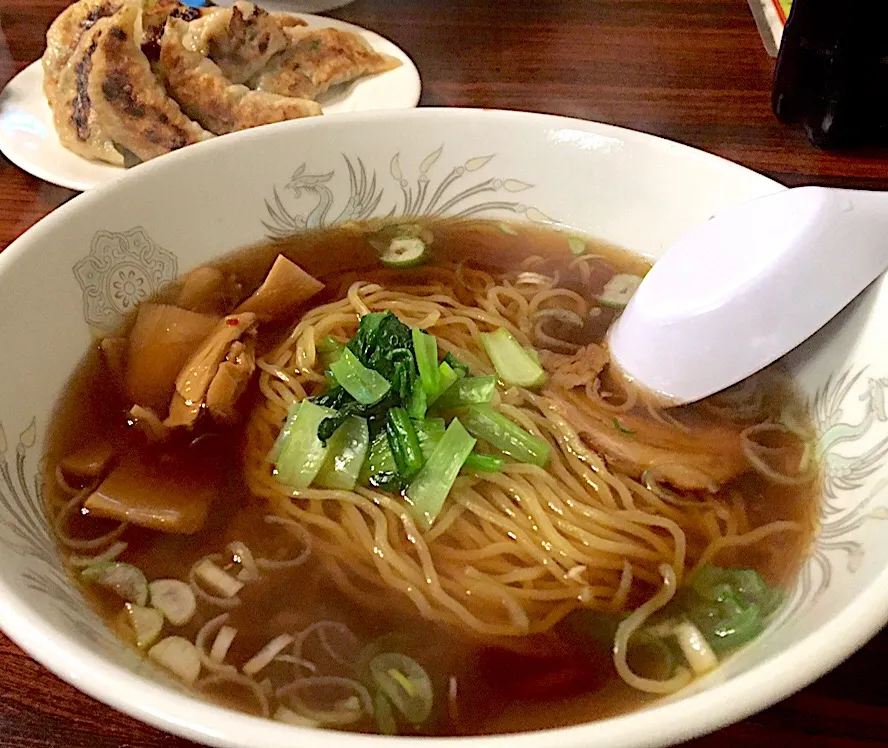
(459, 193)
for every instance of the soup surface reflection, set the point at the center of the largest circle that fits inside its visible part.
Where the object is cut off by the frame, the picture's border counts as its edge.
(278, 488)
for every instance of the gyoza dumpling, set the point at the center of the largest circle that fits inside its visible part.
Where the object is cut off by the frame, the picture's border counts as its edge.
(240, 40)
(65, 32)
(154, 18)
(207, 96)
(131, 104)
(318, 58)
(76, 122)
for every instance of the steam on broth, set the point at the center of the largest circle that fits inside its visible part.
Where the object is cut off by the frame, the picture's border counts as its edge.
(379, 478)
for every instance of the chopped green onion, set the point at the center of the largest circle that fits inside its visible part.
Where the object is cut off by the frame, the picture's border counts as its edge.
(468, 391)
(621, 428)
(179, 656)
(618, 290)
(404, 443)
(425, 348)
(218, 580)
(419, 401)
(329, 351)
(125, 580)
(174, 599)
(728, 606)
(404, 252)
(484, 463)
(379, 469)
(346, 452)
(405, 683)
(383, 715)
(364, 385)
(485, 423)
(577, 245)
(512, 362)
(303, 453)
(427, 493)
(146, 623)
(446, 377)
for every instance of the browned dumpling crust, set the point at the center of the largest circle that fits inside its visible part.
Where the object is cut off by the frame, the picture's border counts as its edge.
(76, 122)
(130, 102)
(240, 40)
(317, 59)
(206, 95)
(65, 33)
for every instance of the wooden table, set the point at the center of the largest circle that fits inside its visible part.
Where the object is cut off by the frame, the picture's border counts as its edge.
(690, 70)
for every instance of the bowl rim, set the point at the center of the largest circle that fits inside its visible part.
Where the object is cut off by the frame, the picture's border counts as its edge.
(723, 703)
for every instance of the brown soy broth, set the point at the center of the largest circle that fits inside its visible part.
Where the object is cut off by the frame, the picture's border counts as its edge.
(548, 681)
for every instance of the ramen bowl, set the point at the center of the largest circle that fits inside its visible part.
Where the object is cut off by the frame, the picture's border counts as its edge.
(78, 272)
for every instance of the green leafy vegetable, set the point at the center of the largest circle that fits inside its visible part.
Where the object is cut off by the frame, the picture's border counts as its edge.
(512, 362)
(329, 351)
(485, 423)
(454, 363)
(425, 348)
(404, 443)
(446, 377)
(467, 391)
(303, 453)
(483, 463)
(379, 469)
(374, 414)
(384, 344)
(364, 385)
(346, 451)
(419, 401)
(430, 431)
(364, 341)
(380, 342)
(427, 493)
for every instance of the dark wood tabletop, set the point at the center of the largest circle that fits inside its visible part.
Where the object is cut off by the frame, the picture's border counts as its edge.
(694, 71)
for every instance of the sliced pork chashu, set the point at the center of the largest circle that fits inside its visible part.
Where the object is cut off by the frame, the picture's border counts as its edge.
(318, 58)
(207, 96)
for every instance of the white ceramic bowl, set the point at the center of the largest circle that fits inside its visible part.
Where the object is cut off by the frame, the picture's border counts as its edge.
(97, 256)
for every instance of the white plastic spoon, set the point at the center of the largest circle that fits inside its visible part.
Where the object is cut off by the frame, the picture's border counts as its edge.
(737, 293)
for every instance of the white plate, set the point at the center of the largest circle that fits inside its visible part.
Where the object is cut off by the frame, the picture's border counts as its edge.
(28, 137)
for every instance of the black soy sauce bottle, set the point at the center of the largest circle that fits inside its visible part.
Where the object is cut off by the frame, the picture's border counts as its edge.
(832, 72)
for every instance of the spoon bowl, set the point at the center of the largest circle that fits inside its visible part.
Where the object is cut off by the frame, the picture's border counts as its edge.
(745, 288)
